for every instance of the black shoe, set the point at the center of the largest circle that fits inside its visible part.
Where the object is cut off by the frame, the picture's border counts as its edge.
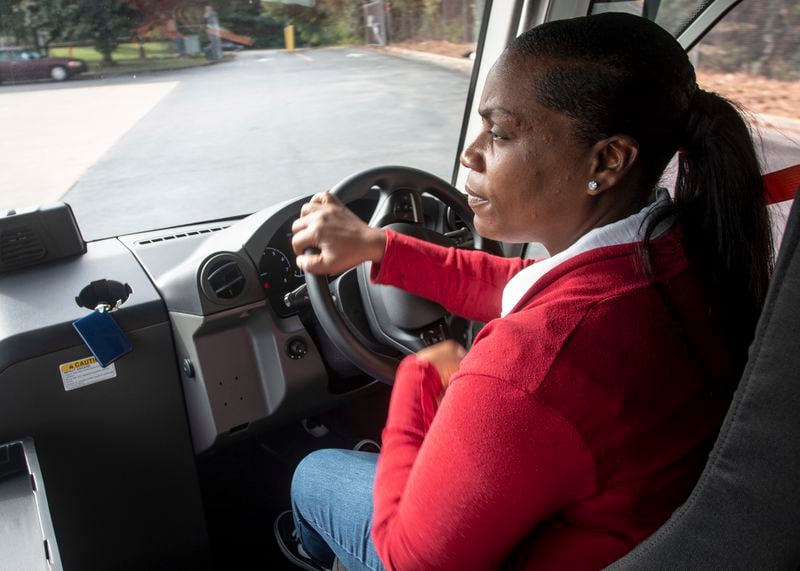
(289, 544)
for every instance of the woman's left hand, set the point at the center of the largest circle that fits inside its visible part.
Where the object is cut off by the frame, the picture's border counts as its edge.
(445, 358)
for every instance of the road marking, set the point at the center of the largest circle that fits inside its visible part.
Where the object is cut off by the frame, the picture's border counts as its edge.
(303, 56)
(265, 59)
(352, 54)
(55, 135)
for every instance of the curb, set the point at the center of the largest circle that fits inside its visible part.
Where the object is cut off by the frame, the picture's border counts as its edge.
(455, 63)
(112, 72)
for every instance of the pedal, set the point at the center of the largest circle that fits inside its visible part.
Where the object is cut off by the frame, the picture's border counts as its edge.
(314, 428)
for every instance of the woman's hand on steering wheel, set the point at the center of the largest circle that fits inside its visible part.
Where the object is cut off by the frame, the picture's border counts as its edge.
(342, 239)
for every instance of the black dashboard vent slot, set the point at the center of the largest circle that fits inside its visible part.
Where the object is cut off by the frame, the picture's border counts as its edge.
(20, 246)
(223, 279)
(180, 235)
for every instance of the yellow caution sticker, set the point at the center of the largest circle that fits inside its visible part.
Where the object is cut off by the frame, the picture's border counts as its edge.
(84, 372)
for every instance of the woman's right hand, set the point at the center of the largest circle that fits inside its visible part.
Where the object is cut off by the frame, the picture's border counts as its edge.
(344, 240)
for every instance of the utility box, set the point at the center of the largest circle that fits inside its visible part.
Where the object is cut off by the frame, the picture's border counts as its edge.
(191, 44)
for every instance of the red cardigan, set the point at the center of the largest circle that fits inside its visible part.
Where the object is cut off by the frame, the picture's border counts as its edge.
(574, 426)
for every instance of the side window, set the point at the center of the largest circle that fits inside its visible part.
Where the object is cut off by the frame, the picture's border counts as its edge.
(672, 15)
(752, 56)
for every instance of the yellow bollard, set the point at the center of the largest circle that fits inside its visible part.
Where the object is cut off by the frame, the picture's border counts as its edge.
(288, 37)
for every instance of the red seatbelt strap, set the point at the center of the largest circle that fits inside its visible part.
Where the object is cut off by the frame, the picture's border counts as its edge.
(782, 185)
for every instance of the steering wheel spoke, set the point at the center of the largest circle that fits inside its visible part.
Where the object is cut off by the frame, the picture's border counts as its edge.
(402, 205)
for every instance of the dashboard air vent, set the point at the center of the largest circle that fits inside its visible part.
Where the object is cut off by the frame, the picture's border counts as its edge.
(20, 246)
(179, 235)
(222, 278)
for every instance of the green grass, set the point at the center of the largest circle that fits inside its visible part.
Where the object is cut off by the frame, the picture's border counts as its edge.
(125, 52)
(161, 56)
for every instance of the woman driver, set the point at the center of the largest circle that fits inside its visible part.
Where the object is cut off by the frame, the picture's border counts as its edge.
(583, 413)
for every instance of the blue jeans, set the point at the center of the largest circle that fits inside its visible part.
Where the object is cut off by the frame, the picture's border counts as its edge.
(332, 507)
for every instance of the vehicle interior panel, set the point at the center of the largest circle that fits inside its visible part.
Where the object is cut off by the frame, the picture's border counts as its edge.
(248, 362)
(30, 329)
(237, 377)
(114, 455)
(24, 500)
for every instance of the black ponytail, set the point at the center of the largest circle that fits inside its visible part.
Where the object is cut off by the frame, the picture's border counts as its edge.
(720, 203)
(622, 74)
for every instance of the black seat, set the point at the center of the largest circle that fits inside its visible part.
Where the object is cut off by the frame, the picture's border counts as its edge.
(744, 512)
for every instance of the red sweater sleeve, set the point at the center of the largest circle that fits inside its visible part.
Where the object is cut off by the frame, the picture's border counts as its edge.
(460, 487)
(468, 283)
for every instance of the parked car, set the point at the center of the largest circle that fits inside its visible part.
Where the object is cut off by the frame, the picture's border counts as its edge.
(18, 64)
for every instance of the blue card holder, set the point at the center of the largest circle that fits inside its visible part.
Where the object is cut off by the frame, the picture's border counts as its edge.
(103, 337)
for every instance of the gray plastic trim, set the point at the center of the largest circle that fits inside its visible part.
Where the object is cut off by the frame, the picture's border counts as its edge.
(37, 305)
(30, 486)
(243, 378)
(175, 265)
(705, 22)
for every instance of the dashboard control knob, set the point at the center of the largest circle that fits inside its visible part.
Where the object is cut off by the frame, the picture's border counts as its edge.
(297, 298)
(296, 348)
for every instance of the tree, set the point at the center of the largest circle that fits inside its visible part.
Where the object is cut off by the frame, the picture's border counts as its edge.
(12, 22)
(759, 38)
(41, 22)
(105, 22)
(327, 22)
(48, 21)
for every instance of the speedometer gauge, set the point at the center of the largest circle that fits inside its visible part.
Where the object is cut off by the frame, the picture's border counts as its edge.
(274, 269)
(278, 277)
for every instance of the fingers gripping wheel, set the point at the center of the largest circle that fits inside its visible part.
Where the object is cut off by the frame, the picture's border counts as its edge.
(399, 207)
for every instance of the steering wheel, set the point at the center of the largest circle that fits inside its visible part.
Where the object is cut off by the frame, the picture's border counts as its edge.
(397, 319)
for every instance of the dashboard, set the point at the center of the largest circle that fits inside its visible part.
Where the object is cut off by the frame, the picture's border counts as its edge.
(247, 360)
(216, 359)
(216, 290)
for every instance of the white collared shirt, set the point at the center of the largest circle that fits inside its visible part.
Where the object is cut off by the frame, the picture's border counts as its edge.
(625, 231)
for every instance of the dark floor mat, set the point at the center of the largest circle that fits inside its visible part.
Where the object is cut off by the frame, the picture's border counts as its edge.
(246, 485)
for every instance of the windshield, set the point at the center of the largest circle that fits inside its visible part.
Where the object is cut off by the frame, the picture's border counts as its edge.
(192, 111)
(150, 114)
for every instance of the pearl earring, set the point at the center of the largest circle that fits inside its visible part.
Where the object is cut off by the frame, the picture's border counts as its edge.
(593, 185)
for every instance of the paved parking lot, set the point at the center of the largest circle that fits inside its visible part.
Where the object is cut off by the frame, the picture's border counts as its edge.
(51, 136)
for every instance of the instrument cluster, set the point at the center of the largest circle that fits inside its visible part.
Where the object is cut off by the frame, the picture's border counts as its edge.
(277, 270)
